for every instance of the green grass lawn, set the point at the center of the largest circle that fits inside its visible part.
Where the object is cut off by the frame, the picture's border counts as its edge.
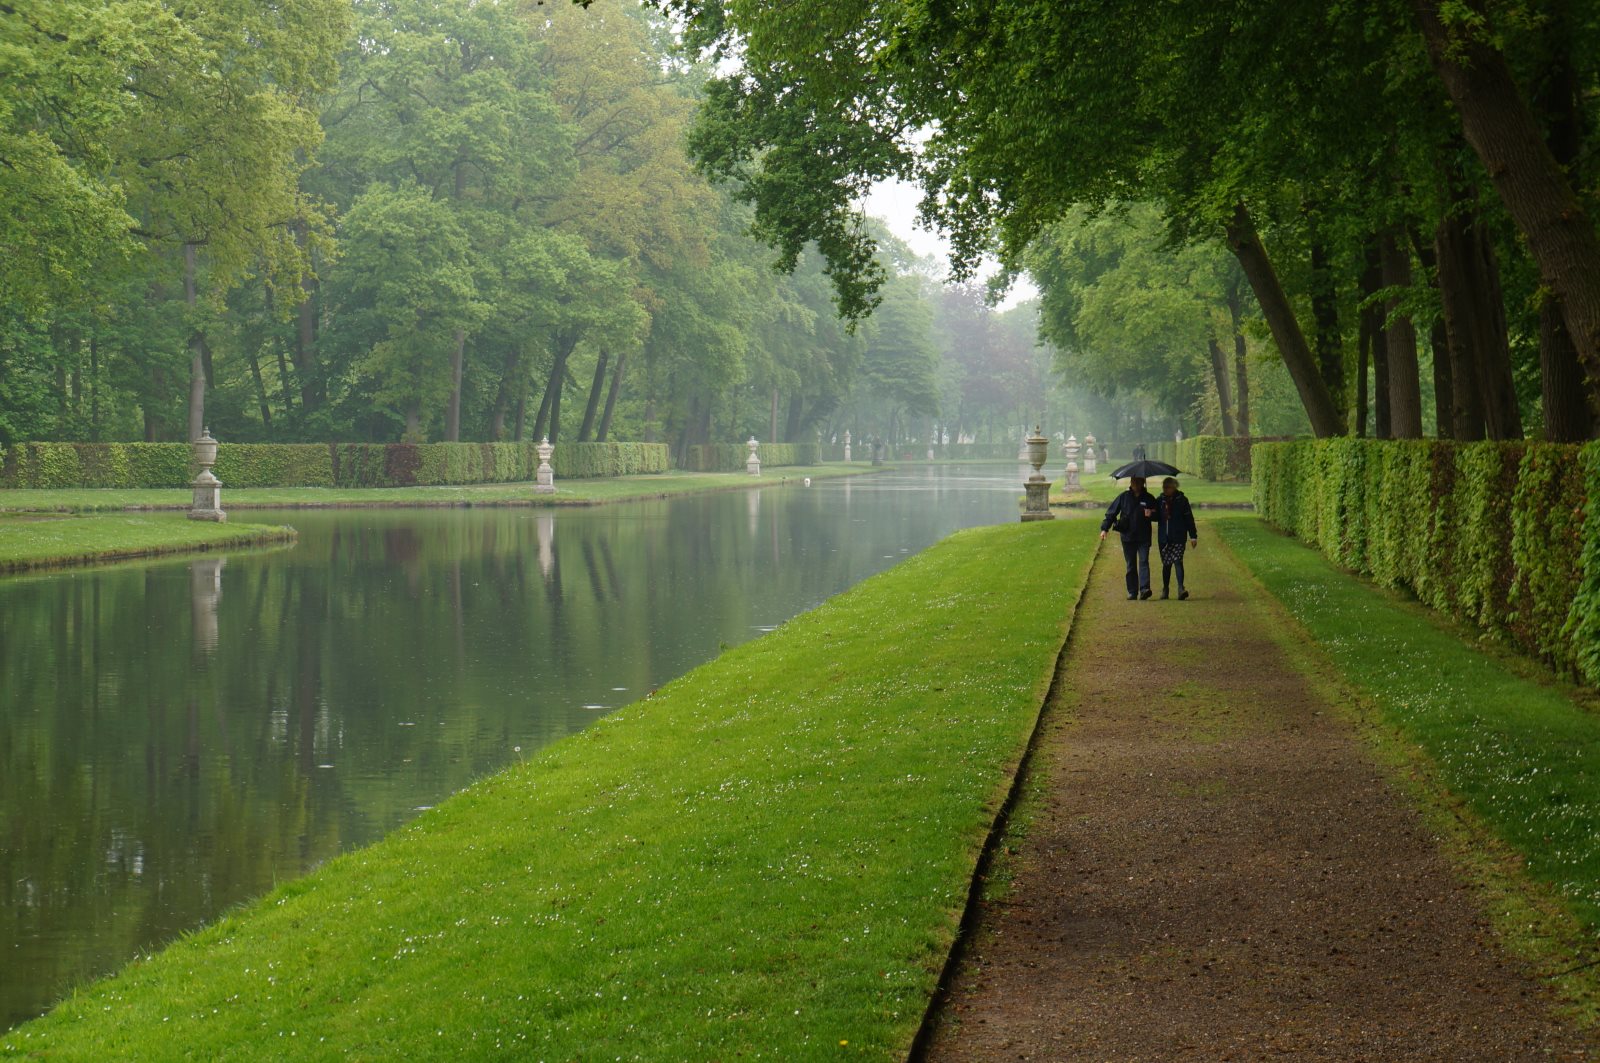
(1523, 754)
(568, 492)
(766, 859)
(44, 541)
(1102, 489)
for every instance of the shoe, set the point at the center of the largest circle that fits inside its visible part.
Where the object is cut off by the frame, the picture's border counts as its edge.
(1144, 596)
(1131, 597)
(1163, 594)
(1182, 595)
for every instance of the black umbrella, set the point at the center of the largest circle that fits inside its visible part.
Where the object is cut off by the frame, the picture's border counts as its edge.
(1144, 469)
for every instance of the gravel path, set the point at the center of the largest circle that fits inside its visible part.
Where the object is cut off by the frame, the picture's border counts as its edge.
(1217, 869)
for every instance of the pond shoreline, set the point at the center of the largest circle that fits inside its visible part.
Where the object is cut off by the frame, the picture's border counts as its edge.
(225, 538)
(442, 496)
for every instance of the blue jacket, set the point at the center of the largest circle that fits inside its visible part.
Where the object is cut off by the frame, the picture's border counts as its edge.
(1139, 526)
(1174, 519)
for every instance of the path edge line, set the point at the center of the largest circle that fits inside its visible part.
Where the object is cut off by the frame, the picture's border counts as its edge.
(998, 829)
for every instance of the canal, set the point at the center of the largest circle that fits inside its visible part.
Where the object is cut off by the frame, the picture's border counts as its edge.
(178, 736)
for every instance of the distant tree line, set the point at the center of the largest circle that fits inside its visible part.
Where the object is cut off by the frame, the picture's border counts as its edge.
(429, 220)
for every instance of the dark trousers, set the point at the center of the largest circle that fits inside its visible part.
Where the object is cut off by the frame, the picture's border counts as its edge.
(1166, 574)
(1137, 555)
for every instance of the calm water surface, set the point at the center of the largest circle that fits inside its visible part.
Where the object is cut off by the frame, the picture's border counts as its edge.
(176, 737)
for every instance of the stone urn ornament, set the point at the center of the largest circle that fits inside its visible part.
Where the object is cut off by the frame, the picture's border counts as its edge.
(207, 501)
(1037, 506)
(1088, 455)
(752, 464)
(545, 478)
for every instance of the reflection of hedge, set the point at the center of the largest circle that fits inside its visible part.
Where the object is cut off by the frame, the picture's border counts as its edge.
(1502, 536)
(244, 465)
(730, 457)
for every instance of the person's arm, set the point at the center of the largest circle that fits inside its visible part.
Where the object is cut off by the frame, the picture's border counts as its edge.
(1194, 530)
(1111, 515)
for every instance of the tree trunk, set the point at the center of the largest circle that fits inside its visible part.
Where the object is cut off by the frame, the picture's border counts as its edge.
(94, 388)
(1506, 135)
(305, 336)
(522, 411)
(611, 398)
(1371, 284)
(1366, 339)
(1325, 311)
(197, 350)
(1405, 386)
(452, 411)
(1241, 370)
(261, 388)
(413, 422)
(1460, 314)
(1297, 357)
(283, 380)
(565, 343)
(595, 389)
(1219, 373)
(1439, 343)
(792, 424)
(541, 421)
(1567, 417)
(772, 418)
(509, 378)
(1443, 381)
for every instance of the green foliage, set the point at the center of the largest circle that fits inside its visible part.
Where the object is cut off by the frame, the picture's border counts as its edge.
(1497, 535)
(1547, 547)
(249, 465)
(1218, 457)
(731, 457)
(1582, 628)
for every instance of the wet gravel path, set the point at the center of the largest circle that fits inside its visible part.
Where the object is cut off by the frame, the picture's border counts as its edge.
(1218, 870)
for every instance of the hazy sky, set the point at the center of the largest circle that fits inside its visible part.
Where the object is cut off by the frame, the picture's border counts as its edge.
(896, 203)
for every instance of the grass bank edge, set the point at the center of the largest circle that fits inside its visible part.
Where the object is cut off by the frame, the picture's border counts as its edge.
(769, 856)
(593, 492)
(103, 538)
(1558, 939)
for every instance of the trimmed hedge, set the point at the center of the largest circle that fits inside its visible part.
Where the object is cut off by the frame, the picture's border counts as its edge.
(1219, 457)
(245, 465)
(1502, 536)
(730, 457)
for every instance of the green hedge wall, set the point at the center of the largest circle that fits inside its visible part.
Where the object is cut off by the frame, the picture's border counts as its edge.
(1502, 536)
(1218, 457)
(244, 465)
(730, 457)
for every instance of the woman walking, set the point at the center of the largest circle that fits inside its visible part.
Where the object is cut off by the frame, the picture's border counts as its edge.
(1174, 520)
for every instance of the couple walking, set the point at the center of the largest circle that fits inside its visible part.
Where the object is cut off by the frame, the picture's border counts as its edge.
(1140, 517)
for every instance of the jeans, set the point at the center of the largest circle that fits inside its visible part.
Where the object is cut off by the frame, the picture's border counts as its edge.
(1137, 555)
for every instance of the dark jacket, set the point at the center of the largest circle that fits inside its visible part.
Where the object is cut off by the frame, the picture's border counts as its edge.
(1174, 519)
(1139, 525)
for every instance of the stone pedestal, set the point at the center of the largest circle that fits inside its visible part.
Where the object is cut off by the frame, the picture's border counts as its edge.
(545, 478)
(207, 499)
(847, 445)
(1037, 505)
(752, 464)
(1088, 455)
